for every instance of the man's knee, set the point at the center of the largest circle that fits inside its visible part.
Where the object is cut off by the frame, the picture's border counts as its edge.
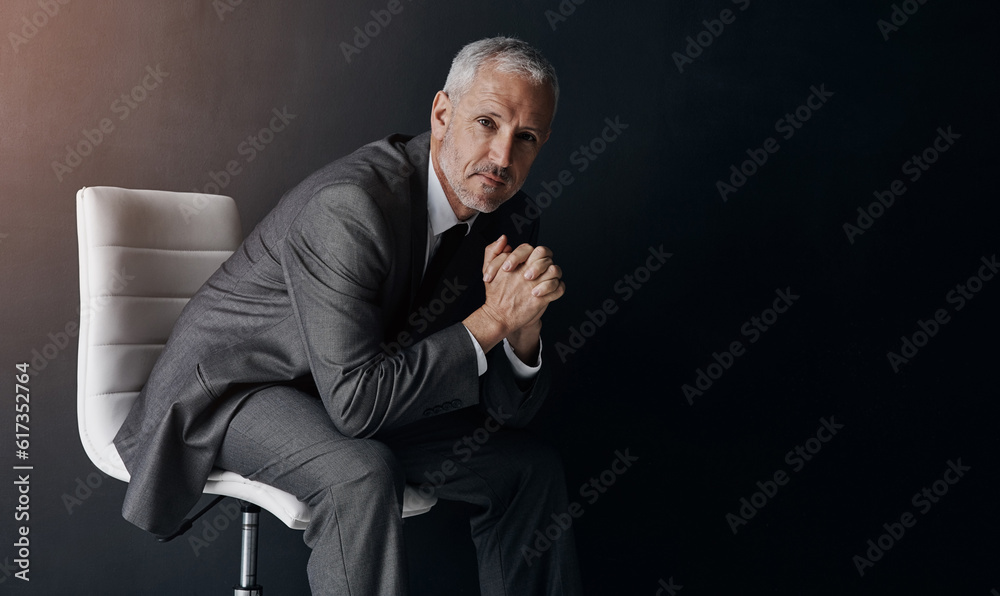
(545, 462)
(537, 467)
(384, 472)
(361, 468)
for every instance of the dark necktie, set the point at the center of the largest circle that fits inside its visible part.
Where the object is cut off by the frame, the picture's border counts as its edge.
(450, 241)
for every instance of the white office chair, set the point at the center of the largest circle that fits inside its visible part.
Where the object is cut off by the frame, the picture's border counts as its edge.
(143, 254)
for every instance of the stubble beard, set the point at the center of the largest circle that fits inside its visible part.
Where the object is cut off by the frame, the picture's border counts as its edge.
(491, 197)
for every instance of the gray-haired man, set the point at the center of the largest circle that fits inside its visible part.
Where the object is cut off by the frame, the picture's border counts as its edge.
(334, 357)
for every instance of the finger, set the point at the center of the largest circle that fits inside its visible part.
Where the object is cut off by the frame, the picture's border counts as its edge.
(492, 251)
(518, 256)
(550, 290)
(536, 263)
(494, 267)
(541, 269)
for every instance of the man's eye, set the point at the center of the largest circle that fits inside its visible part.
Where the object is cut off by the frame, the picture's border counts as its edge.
(528, 137)
(485, 122)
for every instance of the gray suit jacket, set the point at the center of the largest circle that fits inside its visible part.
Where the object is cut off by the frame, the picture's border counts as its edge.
(313, 297)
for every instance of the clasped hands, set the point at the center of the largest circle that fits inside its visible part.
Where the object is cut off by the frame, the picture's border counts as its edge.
(520, 284)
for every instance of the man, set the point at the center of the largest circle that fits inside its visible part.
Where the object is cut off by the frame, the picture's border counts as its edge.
(334, 358)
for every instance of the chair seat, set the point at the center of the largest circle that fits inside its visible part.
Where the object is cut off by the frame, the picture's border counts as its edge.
(292, 512)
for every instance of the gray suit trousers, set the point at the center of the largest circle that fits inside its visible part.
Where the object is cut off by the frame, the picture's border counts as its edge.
(284, 437)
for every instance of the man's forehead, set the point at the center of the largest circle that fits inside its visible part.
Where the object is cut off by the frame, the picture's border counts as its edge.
(505, 96)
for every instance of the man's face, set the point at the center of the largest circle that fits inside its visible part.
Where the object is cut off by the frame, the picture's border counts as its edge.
(486, 144)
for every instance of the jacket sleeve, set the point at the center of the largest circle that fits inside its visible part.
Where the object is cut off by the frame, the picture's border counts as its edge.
(337, 258)
(505, 398)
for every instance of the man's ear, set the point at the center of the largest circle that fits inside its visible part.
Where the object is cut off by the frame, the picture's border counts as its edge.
(441, 113)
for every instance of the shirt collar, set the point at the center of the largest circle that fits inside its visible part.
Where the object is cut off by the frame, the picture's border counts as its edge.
(440, 216)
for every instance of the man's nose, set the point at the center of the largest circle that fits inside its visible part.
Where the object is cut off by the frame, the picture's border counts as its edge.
(501, 149)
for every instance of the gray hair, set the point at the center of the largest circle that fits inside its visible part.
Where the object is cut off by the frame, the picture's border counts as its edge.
(508, 55)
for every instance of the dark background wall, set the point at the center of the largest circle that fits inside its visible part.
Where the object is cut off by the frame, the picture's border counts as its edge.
(674, 517)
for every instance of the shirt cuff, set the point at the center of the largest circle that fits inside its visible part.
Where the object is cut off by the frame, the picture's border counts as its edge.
(480, 355)
(522, 372)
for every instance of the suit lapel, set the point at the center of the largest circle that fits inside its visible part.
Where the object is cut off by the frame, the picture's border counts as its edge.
(418, 151)
(418, 233)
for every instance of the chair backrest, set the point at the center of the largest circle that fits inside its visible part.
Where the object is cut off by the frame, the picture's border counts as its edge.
(143, 254)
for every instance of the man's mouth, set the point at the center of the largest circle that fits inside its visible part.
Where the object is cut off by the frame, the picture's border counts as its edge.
(492, 179)
(494, 176)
